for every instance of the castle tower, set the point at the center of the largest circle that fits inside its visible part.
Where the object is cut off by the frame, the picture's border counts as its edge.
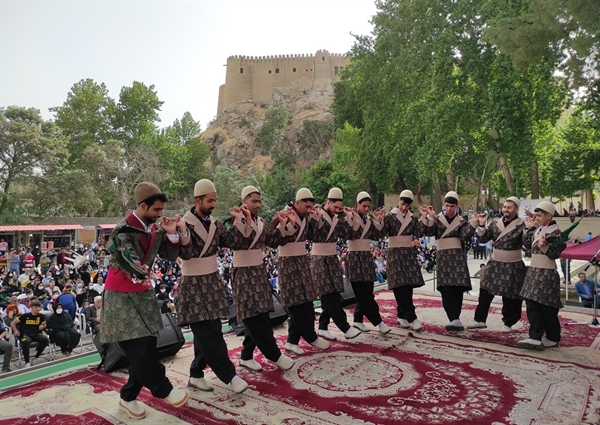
(250, 78)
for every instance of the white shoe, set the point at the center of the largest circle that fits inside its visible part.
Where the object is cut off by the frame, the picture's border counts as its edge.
(294, 348)
(28, 364)
(360, 326)
(238, 385)
(506, 329)
(320, 343)
(284, 362)
(416, 325)
(251, 364)
(177, 397)
(477, 325)
(326, 334)
(352, 333)
(530, 344)
(132, 408)
(384, 329)
(455, 325)
(200, 384)
(404, 323)
(548, 344)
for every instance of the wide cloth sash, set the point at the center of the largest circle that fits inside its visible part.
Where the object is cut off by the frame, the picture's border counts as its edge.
(404, 241)
(322, 248)
(292, 249)
(507, 256)
(199, 266)
(247, 257)
(359, 245)
(540, 261)
(448, 243)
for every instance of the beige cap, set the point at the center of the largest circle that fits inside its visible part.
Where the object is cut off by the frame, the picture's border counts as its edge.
(249, 190)
(144, 190)
(451, 194)
(203, 187)
(304, 193)
(335, 193)
(407, 194)
(515, 200)
(546, 206)
(362, 195)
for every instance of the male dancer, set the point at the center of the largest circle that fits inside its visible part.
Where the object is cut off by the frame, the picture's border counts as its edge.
(201, 295)
(252, 295)
(130, 315)
(505, 270)
(404, 272)
(449, 230)
(360, 269)
(541, 288)
(325, 265)
(298, 290)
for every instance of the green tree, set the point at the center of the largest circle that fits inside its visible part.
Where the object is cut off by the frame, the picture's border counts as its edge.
(29, 146)
(229, 182)
(271, 135)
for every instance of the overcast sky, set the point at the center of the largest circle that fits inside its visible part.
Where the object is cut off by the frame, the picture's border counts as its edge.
(179, 46)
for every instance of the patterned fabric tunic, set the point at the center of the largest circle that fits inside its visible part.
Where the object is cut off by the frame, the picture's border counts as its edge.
(452, 263)
(325, 269)
(132, 315)
(250, 285)
(504, 278)
(402, 263)
(543, 284)
(201, 297)
(359, 264)
(294, 279)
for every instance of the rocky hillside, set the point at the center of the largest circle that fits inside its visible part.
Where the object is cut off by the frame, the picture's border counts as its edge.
(232, 136)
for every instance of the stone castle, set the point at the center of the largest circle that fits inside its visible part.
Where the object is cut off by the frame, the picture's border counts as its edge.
(251, 78)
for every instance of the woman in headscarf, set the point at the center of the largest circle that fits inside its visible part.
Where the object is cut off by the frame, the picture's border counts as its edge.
(62, 330)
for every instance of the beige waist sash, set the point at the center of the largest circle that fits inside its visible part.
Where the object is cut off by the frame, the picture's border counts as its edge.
(247, 258)
(506, 256)
(199, 266)
(292, 249)
(448, 243)
(540, 261)
(404, 241)
(324, 248)
(359, 245)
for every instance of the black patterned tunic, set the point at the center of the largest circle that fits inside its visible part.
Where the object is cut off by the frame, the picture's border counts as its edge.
(201, 297)
(402, 264)
(452, 263)
(359, 264)
(325, 269)
(501, 277)
(250, 284)
(295, 282)
(543, 284)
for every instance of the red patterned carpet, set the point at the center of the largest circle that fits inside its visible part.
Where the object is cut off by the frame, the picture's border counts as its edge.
(430, 312)
(373, 379)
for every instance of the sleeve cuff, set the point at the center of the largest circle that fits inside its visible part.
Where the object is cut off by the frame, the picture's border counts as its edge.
(244, 228)
(173, 238)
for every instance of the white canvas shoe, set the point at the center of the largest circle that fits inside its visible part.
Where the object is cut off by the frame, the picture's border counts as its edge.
(177, 397)
(404, 323)
(384, 329)
(352, 333)
(531, 344)
(132, 408)
(326, 334)
(238, 385)
(506, 329)
(416, 325)
(477, 325)
(251, 364)
(360, 326)
(455, 325)
(548, 344)
(294, 348)
(200, 384)
(320, 343)
(284, 362)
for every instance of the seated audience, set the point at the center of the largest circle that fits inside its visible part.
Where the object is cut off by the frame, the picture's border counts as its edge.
(28, 328)
(585, 290)
(62, 330)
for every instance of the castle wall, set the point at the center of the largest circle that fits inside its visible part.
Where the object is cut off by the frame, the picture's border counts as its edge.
(255, 78)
